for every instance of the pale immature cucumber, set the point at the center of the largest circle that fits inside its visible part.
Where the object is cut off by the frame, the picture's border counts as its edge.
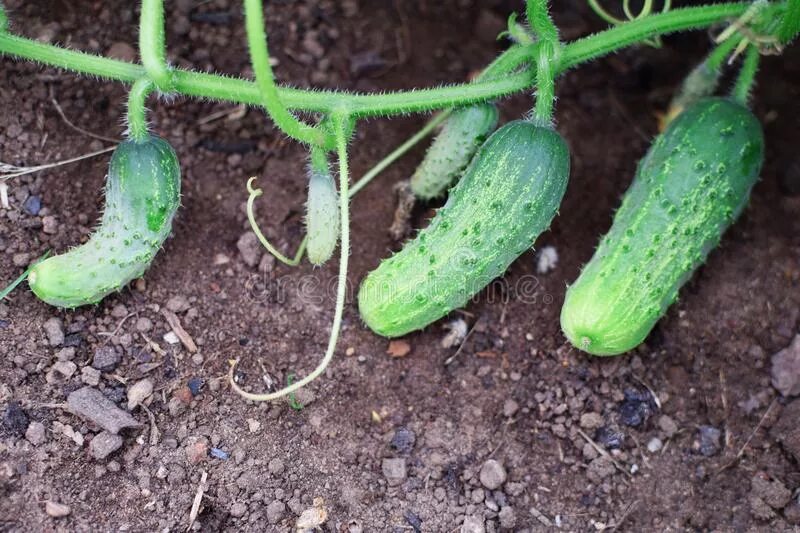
(142, 194)
(507, 196)
(689, 188)
(462, 134)
(322, 211)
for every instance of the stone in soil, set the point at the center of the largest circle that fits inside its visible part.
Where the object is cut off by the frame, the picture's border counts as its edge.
(178, 304)
(106, 358)
(710, 440)
(54, 330)
(787, 429)
(197, 451)
(249, 248)
(786, 369)
(403, 440)
(599, 469)
(473, 524)
(774, 493)
(394, 470)
(15, 421)
(36, 433)
(60, 372)
(591, 420)
(89, 403)
(275, 511)
(636, 408)
(667, 425)
(238, 509)
(508, 519)
(56, 510)
(276, 466)
(104, 444)
(90, 376)
(493, 474)
(139, 391)
(609, 437)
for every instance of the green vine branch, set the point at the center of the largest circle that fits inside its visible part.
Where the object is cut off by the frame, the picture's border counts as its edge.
(219, 87)
(152, 45)
(137, 111)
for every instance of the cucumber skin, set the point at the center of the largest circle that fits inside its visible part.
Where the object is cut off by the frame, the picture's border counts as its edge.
(693, 183)
(142, 194)
(451, 151)
(322, 219)
(508, 195)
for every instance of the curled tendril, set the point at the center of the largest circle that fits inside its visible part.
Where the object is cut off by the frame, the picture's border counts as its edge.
(647, 10)
(251, 217)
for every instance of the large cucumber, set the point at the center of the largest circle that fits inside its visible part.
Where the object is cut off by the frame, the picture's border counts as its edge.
(142, 195)
(508, 195)
(450, 153)
(689, 188)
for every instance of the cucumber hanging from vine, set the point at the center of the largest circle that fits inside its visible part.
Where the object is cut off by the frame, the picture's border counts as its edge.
(691, 185)
(507, 196)
(142, 195)
(322, 213)
(462, 134)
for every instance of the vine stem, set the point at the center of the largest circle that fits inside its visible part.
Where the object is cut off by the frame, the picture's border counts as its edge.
(137, 111)
(747, 76)
(259, 57)
(546, 61)
(341, 125)
(152, 44)
(366, 105)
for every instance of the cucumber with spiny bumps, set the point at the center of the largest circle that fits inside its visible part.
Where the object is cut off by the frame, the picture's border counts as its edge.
(322, 210)
(450, 152)
(508, 195)
(142, 194)
(691, 185)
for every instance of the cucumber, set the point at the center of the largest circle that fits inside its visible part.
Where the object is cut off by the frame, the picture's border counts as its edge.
(142, 195)
(508, 195)
(322, 210)
(691, 185)
(450, 153)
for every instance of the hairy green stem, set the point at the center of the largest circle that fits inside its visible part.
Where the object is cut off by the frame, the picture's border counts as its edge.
(152, 45)
(398, 152)
(241, 91)
(546, 62)
(747, 76)
(790, 24)
(341, 125)
(259, 57)
(137, 111)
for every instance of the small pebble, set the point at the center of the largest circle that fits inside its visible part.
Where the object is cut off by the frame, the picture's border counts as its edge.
(36, 433)
(403, 440)
(106, 358)
(56, 510)
(50, 225)
(493, 474)
(238, 510)
(710, 440)
(90, 376)
(104, 444)
(138, 392)
(654, 445)
(54, 330)
(394, 470)
(178, 304)
(276, 466)
(32, 205)
(275, 511)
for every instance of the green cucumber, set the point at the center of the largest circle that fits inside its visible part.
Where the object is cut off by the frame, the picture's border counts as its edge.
(462, 134)
(691, 185)
(508, 195)
(142, 195)
(322, 210)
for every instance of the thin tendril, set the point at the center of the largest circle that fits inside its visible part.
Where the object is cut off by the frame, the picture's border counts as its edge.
(341, 125)
(251, 217)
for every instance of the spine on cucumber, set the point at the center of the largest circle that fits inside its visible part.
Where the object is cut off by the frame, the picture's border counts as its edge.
(691, 185)
(322, 210)
(462, 134)
(507, 196)
(142, 194)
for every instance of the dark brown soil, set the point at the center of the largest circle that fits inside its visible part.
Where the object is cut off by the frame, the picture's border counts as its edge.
(515, 392)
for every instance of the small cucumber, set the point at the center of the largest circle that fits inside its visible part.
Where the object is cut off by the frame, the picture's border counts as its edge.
(142, 195)
(462, 134)
(322, 211)
(689, 188)
(508, 195)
